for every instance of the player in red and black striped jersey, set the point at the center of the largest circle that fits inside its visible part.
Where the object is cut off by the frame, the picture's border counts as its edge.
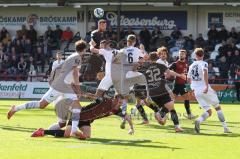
(181, 67)
(96, 110)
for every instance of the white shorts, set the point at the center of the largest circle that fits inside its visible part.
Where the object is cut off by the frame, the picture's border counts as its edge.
(105, 83)
(206, 100)
(52, 94)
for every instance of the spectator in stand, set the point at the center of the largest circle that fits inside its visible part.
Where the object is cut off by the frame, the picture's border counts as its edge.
(237, 82)
(129, 31)
(1, 55)
(18, 48)
(236, 58)
(31, 69)
(189, 43)
(3, 33)
(223, 69)
(213, 35)
(88, 34)
(233, 34)
(27, 47)
(7, 38)
(6, 64)
(40, 59)
(211, 73)
(122, 33)
(222, 34)
(49, 33)
(22, 66)
(145, 38)
(22, 32)
(179, 44)
(110, 32)
(67, 34)
(57, 36)
(12, 70)
(176, 33)
(156, 34)
(8, 47)
(32, 34)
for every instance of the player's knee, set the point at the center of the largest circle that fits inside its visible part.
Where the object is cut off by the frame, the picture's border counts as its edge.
(209, 112)
(218, 108)
(61, 124)
(43, 104)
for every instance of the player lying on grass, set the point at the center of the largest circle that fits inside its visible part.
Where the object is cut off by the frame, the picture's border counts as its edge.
(205, 95)
(97, 110)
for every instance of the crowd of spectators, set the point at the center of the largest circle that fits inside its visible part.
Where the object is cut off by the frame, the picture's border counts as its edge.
(27, 53)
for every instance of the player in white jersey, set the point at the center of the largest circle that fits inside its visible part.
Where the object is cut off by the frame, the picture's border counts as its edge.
(132, 54)
(59, 61)
(108, 51)
(61, 85)
(162, 53)
(205, 95)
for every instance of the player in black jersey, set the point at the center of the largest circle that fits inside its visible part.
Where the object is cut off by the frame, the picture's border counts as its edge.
(155, 74)
(95, 63)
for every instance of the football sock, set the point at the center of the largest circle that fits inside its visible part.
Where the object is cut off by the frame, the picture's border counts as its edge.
(124, 107)
(142, 111)
(28, 105)
(174, 117)
(154, 108)
(75, 119)
(56, 133)
(163, 112)
(203, 117)
(187, 106)
(221, 118)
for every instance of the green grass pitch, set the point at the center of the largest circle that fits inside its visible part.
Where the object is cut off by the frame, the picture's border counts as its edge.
(109, 141)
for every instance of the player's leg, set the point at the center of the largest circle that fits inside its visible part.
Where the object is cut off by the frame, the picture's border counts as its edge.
(48, 97)
(103, 86)
(205, 106)
(76, 109)
(170, 106)
(124, 111)
(213, 100)
(186, 97)
(141, 111)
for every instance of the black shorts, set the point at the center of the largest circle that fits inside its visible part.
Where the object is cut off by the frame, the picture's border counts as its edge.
(179, 89)
(81, 123)
(161, 100)
(140, 91)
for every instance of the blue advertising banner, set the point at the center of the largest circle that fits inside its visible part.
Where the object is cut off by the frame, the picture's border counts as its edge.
(166, 20)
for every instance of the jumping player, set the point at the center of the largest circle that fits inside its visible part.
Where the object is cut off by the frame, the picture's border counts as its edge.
(205, 95)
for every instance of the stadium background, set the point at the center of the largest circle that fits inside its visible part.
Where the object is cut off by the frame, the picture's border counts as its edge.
(191, 17)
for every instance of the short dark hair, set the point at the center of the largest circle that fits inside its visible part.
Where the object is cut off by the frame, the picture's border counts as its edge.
(153, 56)
(199, 52)
(80, 45)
